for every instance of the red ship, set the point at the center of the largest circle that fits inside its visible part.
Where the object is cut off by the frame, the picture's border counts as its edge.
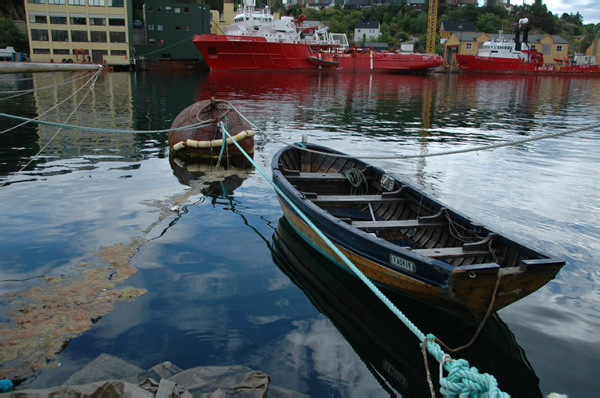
(518, 57)
(257, 41)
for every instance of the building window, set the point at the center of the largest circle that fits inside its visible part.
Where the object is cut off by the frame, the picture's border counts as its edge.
(56, 2)
(38, 17)
(61, 51)
(36, 1)
(186, 10)
(150, 8)
(60, 35)
(177, 10)
(79, 35)
(41, 51)
(118, 52)
(115, 3)
(559, 48)
(168, 9)
(96, 3)
(158, 9)
(159, 27)
(76, 2)
(97, 20)
(117, 37)
(151, 41)
(39, 35)
(186, 28)
(150, 26)
(98, 37)
(78, 19)
(116, 20)
(469, 46)
(177, 27)
(58, 19)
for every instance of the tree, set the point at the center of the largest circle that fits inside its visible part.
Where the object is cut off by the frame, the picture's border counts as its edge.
(489, 23)
(11, 37)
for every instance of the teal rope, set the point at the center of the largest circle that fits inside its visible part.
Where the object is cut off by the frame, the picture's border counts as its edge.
(101, 130)
(470, 381)
(6, 385)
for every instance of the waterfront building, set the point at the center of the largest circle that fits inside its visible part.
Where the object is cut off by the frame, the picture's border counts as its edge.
(164, 38)
(95, 31)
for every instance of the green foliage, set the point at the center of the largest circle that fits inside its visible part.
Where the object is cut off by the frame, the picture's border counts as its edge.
(490, 23)
(11, 37)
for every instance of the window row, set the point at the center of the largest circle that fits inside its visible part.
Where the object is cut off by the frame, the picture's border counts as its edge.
(66, 51)
(78, 36)
(60, 18)
(161, 27)
(92, 3)
(168, 9)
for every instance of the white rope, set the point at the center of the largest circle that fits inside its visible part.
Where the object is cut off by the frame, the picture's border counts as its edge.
(93, 78)
(22, 92)
(91, 87)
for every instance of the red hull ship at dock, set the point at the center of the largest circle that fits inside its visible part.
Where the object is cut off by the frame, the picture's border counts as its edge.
(256, 41)
(518, 57)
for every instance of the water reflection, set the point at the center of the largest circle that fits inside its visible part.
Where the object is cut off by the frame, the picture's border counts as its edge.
(385, 345)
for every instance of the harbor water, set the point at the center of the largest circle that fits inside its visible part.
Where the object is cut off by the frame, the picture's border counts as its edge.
(216, 276)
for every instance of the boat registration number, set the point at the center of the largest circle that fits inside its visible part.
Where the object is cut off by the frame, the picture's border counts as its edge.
(402, 263)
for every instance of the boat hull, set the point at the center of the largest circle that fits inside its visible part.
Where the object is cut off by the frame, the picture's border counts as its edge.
(467, 291)
(256, 53)
(480, 64)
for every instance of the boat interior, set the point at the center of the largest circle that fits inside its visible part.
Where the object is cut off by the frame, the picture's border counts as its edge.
(372, 201)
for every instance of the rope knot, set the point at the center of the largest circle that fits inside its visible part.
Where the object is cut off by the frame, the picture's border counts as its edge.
(465, 381)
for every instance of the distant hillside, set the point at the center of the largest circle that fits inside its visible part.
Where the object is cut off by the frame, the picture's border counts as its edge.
(12, 9)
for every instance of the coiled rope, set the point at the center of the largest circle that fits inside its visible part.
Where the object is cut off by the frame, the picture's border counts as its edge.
(462, 380)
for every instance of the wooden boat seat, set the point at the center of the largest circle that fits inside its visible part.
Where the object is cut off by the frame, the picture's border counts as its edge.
(294, 175)
(451, 252)
(355, 198)
(437, 220)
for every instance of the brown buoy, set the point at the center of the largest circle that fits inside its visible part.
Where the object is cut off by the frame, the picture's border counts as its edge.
(206, 141)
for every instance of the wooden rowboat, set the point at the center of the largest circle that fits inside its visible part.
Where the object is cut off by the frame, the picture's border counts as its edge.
(403, 240)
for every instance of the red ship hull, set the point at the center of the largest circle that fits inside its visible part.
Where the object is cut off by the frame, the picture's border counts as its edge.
(478, 64)
(256, 53)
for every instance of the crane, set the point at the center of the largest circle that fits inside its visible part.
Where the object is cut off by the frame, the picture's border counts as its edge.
(431, 26)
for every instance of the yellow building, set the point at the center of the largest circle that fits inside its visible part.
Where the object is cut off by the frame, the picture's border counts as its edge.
(552, 47)
(97, 31)
(594, 49)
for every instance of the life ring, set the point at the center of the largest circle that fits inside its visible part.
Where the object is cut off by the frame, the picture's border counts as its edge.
(301, 19)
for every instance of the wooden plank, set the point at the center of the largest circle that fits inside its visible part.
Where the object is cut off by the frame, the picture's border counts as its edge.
(355, 199)
(450, 252)
(319, 177)
(396, 224)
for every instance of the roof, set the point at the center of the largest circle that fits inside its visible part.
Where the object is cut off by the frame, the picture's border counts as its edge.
(466, 36)
(459, 26)
(531, 38)
(366, 25)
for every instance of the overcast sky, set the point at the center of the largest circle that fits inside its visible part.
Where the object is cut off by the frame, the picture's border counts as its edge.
(590, 9)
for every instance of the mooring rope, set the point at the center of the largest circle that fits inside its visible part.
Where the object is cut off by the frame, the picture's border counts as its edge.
(96, 75)
(453, 152)
(461, 379)
(66, 81)
(91, 80)
(98, 129)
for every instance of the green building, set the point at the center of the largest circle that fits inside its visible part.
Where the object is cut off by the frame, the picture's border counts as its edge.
(164, 39)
